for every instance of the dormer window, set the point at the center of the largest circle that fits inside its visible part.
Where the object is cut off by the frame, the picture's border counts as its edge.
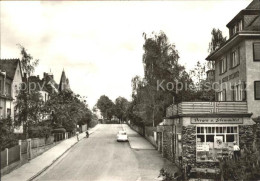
(234, 30)
(240, 25)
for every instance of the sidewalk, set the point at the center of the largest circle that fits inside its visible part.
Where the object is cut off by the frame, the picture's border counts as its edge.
(136, 141)
(37, 165)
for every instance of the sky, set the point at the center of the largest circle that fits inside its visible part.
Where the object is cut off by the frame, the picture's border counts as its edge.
(99, 44)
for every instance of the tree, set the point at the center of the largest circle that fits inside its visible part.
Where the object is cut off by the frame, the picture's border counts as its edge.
(67, 110)
(27, 63)
(106, 107)
(160, 60)
(29, 102)
(121, 105)
(217, 40)
(29, 108)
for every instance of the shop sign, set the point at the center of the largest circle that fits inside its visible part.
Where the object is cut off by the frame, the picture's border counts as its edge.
(202, 147)
(216, 120)
(230, 77)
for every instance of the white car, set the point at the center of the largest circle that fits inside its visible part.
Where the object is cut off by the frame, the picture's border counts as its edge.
(122, 136)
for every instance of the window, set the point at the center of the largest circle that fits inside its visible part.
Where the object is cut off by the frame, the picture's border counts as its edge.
(1, 86)
(240, 25)
(215, 142)
(238, 92)
(221, 96)
(8, 111)
(223, 65)
(256, 49)
(257, 90)
(8, 89)
(234, 30)
(234, 58)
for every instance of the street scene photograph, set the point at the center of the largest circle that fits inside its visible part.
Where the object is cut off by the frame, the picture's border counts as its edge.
(130, 90)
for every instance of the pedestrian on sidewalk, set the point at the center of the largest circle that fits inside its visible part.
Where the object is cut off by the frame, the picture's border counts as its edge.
(87, 134)
(77, 134)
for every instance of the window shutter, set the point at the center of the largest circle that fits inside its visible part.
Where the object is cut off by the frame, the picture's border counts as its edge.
(231, 60)
(220, 66)
(244, 91)
(257, 90)
(224, 95)
(238, 55)
(256, 51)
(233, 93)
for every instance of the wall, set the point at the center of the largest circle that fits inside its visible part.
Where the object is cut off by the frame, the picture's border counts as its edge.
(149, 134)
(241, 68)
(138, 129)
(189, 145)
(15, 87)
(253, 74)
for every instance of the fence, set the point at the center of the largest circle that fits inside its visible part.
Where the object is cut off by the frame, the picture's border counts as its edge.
(30, 148)
(14, 154)
(4, 158)
(9, 156)
(24, 146)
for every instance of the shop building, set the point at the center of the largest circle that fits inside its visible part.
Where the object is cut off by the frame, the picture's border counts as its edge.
(200, 134)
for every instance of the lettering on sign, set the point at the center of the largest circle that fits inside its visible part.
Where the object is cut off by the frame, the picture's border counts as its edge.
(202, 147)
(230, 77)
(216, 120)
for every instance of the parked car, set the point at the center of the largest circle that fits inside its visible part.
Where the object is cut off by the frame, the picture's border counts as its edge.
(122, 136)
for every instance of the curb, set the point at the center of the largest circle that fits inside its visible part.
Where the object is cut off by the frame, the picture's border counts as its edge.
(56, 159)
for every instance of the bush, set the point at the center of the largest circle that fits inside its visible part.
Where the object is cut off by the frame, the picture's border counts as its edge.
(58, 130)
(7, 138)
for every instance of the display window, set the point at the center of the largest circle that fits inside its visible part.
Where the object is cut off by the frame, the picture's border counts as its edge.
(213, 143)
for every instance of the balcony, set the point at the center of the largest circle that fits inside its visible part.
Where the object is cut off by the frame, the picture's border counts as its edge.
(207, 108)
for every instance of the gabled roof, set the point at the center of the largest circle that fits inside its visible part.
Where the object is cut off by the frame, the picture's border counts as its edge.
(255, 4)
(9, 66)
(252, 9)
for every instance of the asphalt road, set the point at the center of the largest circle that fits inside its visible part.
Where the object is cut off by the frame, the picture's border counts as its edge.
(100, 157)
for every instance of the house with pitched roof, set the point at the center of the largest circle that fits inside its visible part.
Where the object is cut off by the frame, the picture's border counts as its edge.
(237, 61)
(10, 81)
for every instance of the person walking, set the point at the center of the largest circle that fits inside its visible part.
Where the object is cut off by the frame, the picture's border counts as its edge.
(236, 150)
(77, 134)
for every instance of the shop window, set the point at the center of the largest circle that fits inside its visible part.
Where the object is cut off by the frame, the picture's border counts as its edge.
(257, 90)
(215, 142)
(256, 49)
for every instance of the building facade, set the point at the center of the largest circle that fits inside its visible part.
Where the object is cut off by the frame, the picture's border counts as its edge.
(10, 81)
(237, 62)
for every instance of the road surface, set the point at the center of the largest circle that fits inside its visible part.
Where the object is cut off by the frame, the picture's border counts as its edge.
(101, 158)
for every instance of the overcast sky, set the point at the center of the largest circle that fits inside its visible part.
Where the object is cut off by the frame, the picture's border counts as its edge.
(99, 44)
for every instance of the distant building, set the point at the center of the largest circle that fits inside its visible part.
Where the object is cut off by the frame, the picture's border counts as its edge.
(64, 82)
(50, 84)
(237, 62)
